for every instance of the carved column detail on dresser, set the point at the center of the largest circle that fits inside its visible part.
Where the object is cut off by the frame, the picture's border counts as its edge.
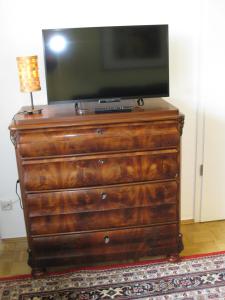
(99, 187)
(181, 124)
(13, 137)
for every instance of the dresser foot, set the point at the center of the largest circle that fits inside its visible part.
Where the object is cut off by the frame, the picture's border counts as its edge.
(38, 272)
(174, 257)
(180, 242)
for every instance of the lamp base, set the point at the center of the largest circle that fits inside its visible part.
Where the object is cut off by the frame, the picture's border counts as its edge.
(32, 111)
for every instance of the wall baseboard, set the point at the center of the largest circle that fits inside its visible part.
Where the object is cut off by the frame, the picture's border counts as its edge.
(22, 238)
(189, 221)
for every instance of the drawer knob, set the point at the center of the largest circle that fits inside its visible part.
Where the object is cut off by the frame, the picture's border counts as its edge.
(106, 239)
(104, 196)
(101, 161)
(99, 131)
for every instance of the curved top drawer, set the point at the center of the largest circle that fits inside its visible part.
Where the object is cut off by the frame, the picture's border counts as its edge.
(99, 170)
(93, 139)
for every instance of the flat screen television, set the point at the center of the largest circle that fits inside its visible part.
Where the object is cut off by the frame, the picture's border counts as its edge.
(89, 64)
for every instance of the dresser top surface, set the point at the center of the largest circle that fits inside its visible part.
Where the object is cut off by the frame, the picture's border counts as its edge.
(65, 115)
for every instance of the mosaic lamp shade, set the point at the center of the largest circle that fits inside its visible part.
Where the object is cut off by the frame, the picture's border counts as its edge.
(29, 78)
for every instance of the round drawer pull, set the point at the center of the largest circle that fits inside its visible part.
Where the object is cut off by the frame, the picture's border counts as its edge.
(104, 196)
(99, 131)
(101, 161)
(106, 239)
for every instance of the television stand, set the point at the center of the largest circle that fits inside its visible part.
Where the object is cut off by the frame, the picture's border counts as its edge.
(140, 102)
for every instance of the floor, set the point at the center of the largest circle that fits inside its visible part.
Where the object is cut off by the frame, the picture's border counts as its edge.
(197, 238)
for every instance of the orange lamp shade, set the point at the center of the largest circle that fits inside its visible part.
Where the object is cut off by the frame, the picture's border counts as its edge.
(28, 73)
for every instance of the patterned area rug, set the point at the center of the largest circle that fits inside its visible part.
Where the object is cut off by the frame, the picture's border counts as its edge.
(201, 277)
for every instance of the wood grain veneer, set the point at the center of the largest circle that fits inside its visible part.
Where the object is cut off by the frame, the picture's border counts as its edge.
(99, 187)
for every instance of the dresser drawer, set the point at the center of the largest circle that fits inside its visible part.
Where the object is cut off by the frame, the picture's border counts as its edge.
(99, 220)
(80, 140)
(137, 240)
(101, 170)
(106, 198)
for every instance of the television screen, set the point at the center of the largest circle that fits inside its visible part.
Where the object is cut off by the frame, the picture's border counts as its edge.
(106, 62)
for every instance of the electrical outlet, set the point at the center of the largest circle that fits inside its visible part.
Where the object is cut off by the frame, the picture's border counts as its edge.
(6, 205)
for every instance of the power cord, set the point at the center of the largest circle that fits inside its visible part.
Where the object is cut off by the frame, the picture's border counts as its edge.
(18, 113)
(21, 205)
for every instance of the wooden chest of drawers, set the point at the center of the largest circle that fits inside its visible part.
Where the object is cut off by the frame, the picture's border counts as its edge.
(99, 187)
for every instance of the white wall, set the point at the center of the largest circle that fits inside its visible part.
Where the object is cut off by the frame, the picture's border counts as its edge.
(20, 34)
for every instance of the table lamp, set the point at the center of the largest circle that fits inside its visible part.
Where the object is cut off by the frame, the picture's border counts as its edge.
(29, 79)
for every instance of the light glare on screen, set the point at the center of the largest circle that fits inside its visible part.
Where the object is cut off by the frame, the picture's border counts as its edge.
(57, 43)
